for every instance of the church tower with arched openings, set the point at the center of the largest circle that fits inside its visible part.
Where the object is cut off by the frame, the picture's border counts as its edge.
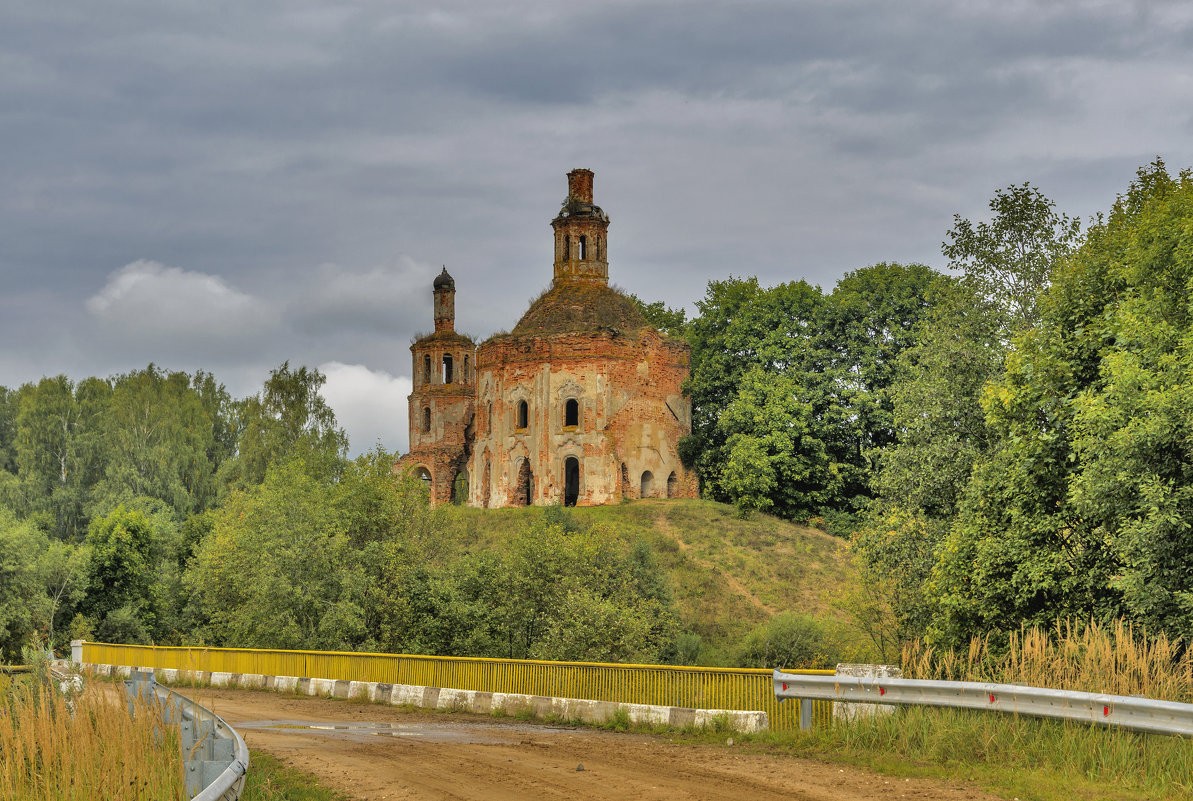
(441, 403)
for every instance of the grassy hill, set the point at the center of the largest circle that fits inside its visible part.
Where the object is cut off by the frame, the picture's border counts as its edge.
(727, 575)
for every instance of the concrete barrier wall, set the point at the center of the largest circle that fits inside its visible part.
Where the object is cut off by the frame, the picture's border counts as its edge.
(443, 698)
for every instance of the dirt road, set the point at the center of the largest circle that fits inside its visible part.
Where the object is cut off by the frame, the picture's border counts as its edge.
(379, 752)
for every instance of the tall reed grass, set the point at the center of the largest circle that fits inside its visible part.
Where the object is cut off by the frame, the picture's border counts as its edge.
(86, 748)
(1028, 757)
(1118, 659)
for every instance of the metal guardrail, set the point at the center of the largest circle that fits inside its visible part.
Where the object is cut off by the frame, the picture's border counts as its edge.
(1128, 712)
(215, 757)
(662, 685)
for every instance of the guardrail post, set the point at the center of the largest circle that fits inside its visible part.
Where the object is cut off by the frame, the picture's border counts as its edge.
(845, 711)
(76, 651)
(805, 714)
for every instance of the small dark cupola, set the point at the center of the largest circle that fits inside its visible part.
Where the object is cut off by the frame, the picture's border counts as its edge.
(581, 230)
(445, 302)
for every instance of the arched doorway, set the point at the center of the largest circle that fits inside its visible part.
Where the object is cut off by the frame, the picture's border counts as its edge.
(647, 485)
(672, 485)
(460, 488)
(571, 481)
(423, 475)
(524, 487)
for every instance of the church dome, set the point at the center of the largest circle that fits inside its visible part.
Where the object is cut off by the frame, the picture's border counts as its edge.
(577, 308)
(444, 280)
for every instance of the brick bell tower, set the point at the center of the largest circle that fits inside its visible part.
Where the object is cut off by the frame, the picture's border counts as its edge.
(442, 400)
(581, 233)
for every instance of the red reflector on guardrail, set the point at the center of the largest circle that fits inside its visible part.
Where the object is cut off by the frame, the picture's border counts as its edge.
(1105, 711)
(992, 698)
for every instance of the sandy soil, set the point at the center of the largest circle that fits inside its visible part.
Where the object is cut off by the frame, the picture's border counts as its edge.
(379, 752)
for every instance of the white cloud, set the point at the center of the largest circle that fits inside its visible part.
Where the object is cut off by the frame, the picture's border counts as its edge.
(149, 299)
(369, 404)
(340, 298)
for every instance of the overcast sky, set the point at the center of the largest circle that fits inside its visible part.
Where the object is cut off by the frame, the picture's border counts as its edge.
(226, 185)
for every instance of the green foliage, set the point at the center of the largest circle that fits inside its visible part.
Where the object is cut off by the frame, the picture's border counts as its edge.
(159, 438)
(789, 640)
(779, 455)
(896, 551)
(276, 570)
(1081, 508)
(120, 575)
(22, 596)
(672, 322)
(271, 779)
(59, 449)
(1008, 260)
(790, 388)
(287, 422)
(871, 317)
(936, 408)
(8, 430)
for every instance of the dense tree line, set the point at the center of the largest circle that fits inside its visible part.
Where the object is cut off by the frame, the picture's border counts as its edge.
(1007, 443)
(1045, 461)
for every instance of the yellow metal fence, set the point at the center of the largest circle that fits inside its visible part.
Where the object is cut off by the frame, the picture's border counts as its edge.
(665, 685)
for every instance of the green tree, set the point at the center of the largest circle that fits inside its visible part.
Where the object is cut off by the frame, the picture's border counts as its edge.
(63, 568)
(742, 326)
(22, 593)
(871, 317)
(120, 576)
(58, 448)
(159, 437)
(780, 445)
(8, 430)
(1081, 508)
(672, 322)
(277, 569)
(287, 421)
(1009, 259)
(936, 407)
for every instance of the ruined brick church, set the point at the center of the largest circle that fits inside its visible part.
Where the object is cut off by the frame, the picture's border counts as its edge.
(580, 404)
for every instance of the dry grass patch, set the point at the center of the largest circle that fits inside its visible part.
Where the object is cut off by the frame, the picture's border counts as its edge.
(59, 750)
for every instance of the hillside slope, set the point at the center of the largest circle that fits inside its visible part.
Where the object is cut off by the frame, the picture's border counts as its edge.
(727, 574)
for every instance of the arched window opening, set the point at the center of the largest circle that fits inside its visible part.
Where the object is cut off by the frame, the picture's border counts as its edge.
(427, 369)
(523, 414)
(460, 488)
(571, 481)
(600, 249)
(524, 488)
(571, 413)
(583, 247)
(489, 419)
(424, 475)
(447, 369)
(566, 249)
(426, 419)
(672, 485)
(647, 485)
(464, 372)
